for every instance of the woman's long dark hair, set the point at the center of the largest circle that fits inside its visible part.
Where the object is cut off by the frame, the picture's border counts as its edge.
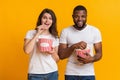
(53, 27)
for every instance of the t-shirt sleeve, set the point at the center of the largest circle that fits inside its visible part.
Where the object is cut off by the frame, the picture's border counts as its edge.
(56, 42)
(30, 34)
(97, 37)
(63, 37)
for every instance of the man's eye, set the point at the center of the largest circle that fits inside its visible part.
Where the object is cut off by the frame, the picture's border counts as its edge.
(76, 16)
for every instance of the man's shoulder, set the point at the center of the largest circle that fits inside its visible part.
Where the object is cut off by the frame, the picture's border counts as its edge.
(92, 27)
(67, 28)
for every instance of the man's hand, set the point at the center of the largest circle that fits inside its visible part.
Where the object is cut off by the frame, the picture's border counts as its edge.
(85, 60)
(80, 45)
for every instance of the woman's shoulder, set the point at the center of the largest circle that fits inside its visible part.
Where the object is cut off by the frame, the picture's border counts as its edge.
(31, 31)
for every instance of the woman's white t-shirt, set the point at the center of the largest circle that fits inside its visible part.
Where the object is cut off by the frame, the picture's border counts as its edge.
(41, 63)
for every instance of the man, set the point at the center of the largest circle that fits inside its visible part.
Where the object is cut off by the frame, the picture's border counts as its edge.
(81, 37)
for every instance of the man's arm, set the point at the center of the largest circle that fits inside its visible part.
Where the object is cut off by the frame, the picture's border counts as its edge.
(98, 51)
(64, 51)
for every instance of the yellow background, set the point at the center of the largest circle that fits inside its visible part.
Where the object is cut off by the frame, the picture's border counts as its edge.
(18, 16)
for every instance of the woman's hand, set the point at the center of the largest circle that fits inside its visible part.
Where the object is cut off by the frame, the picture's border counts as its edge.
(54, 54)
(41, 29)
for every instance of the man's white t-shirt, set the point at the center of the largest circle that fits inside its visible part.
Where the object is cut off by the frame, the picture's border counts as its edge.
(41, 63)
(70, 36)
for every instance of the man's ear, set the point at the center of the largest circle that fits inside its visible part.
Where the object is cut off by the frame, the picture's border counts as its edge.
(72, 16)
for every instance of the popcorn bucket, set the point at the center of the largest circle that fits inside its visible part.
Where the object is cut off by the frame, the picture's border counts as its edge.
(45, 44)
(82, 53)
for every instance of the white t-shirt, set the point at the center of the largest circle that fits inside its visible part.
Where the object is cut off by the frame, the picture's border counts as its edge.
(71, 36)
(41, 63)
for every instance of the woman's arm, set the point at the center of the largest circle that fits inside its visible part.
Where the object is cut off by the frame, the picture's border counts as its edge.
(29, 44)
(54, 53)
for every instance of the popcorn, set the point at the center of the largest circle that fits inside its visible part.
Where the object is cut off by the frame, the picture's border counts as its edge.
(82, 53)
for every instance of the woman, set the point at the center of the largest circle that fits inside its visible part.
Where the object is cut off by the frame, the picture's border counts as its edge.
(42, 65)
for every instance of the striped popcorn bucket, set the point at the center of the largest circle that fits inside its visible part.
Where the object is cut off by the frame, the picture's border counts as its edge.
(45, 44)
(82, 53)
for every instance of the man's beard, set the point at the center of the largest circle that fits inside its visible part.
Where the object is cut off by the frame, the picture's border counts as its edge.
(80, 27)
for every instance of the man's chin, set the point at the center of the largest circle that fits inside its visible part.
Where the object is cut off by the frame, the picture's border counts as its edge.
(79, 26)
